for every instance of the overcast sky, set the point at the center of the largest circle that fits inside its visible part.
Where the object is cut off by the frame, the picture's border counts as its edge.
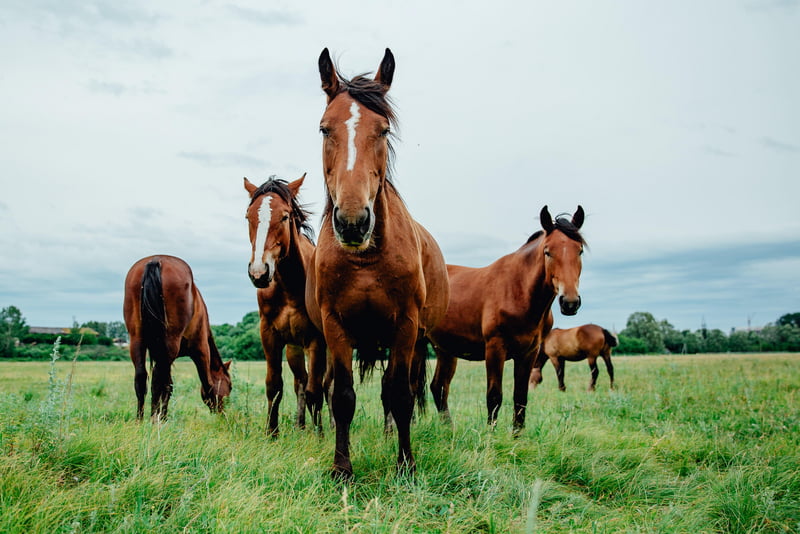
(126, 129)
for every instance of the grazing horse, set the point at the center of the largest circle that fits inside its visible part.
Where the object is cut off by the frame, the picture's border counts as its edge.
(496, 313)
(167, 317)
(585, 342)
(282, 246)
(378, 280)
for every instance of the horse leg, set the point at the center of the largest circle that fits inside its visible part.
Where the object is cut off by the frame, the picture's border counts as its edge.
(342, 396)
(522, 374)
(609, 367)
(536, 372)
(139, 358)
(314, 388)
(595, 372)
(440, 385)
(386, 401)
(273, 352)
(161, 384)
(297, 363)
(495, 361)
(201, 356)
(398, 389)
(558, 363)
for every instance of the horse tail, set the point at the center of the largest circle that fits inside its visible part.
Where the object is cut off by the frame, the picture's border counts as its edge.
(367, 358)
(154, 323)
(611, 339)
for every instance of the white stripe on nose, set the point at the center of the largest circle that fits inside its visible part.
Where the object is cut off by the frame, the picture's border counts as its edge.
(259, 245)
(352, 123)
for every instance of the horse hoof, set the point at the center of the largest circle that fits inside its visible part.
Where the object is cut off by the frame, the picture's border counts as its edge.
(342, 473)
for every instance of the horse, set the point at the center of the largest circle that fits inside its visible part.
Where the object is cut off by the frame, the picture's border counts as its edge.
(496, 313)
(281, 240)
(587, 342)
(378, 281)
(166, 316)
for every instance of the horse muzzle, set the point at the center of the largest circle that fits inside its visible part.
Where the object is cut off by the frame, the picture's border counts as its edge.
(262, 280)
(569, 307)
(353, 232)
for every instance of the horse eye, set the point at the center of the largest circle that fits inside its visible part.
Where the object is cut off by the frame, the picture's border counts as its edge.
(547, 253)
(385, 132)
(285, 218)
(581, 252)
(324, 131)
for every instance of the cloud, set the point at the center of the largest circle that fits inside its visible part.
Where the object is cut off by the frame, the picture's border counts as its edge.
(780, 146)
(266, 18)
(770, 5)
(119, 89)
(224, 159)
(714, 151)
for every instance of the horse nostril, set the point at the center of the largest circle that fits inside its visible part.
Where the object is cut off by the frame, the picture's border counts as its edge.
(364, 221)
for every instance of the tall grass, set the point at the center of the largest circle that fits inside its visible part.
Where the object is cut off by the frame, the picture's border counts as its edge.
(685, 444)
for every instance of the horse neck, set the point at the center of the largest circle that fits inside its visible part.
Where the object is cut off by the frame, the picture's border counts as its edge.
(537, 292)
(291, 270)
(388, 207)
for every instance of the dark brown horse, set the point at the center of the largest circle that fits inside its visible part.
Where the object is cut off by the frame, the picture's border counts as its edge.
(496, 313)
(167, 317)
(378, 280)
(282, 246)
(587, 342)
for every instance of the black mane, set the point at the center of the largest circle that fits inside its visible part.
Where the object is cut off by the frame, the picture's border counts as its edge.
(564, 223)
(299, 213)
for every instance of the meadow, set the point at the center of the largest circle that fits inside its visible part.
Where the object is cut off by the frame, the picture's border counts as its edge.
(684, 444)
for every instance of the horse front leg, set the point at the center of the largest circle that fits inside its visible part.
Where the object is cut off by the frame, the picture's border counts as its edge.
(522, 374)
(314, 388)
(495, 361)
(273, 350)
(297, 363)
(341, 395)
(397, 388)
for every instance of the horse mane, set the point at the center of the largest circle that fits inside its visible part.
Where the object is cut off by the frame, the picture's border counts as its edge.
(299, 212)
(562, 222)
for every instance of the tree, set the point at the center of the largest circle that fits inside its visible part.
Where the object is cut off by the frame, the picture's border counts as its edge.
(117, 330)
(12, 328)
(789, 319)
(644, 326)
(99, 327)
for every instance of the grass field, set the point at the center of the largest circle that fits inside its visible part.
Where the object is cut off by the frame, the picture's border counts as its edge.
(684, 444)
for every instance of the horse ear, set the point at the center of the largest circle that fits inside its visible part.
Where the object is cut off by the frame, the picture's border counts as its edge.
(249, 187)
(294, 187)
(547, 220)
(577, 219)
(227, 365)
(327, 73)
(386, 70)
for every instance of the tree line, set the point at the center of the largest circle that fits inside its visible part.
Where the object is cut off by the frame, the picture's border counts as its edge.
(643, 334)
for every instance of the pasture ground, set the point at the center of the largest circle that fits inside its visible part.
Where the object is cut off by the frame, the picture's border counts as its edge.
(684, 444)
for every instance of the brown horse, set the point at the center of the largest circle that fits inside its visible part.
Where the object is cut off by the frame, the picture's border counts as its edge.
(378, 280)
(282, 246)
(587, 342)
(496, 313)
(167, 317)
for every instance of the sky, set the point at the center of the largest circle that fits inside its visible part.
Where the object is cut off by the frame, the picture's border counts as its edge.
(126, 129)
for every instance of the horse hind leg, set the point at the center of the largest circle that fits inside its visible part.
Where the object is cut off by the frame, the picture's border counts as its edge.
(595, 372)
(609, 367)
(558, 363)
(440, 384)
(314, 389)
(139, 358)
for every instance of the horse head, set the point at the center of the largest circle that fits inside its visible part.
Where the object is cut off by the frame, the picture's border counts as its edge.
(562, 249)
(220, 387)
(356, 148)
(273, 217)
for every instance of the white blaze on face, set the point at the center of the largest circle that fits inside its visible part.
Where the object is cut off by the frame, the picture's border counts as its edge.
(260, 255)
(351, 124)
